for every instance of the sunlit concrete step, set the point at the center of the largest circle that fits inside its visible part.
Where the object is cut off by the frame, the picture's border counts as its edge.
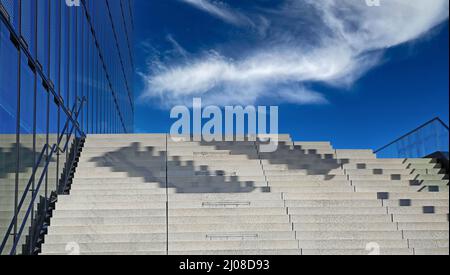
(307, 177)
(404, 189)
(182, 220)
(387, 161)
(356, 226)
(172, 212)
(341, 218)
(361, 252)
(337, 211)
(301, 189)
(416, 202)
(370, 172)
(115, 182)
(397, 177)
(426, 235)
(394, 189)
(355, 154)
(425, 218)
(348, 235)
(68, 205)
(423, 226)
(174, 246)
(406, 183)
(383, 166)
(162, 228)
(333, 203)
(419, 210)
(278, 168)
(313, 144)
(432, 251)
(125, 191)
(304, 172)
(365, 196)
(352, 244)
(162, 237)
(281, 252)
(307, 183)
(424, 244)
(174, 197)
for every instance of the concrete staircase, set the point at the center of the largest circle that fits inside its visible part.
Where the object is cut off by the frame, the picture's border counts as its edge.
(146, 194)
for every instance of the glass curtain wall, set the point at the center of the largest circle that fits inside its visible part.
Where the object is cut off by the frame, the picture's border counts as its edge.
(56, 60)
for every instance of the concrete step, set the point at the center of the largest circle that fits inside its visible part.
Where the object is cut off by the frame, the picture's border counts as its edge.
(397, 177)
(349, 235)
(357, 226)
(316, 252)
(300, 183)
(407, 203)
(426, 244)
(307, 178)
(369, 172)
(423, 226)
(182, 220)
(383, 166)
(162, 237)
(432, 251)
(301, 189)
(337, 211)
(333, 203)
(352, 244)
(355, 154)
(173, 205)
(176, 197)
(419, 210)
(400, 183)
(174, 246)
(327, 219)
(366, 196)
(162, 228)
(425, 218)
(172, 212)
(238, 252)
(426, 235)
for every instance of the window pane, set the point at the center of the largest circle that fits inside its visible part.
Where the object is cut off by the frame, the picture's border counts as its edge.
(8, 119)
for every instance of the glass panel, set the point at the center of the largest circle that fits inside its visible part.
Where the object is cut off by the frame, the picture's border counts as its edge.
(26, 147)
(429, 139)
(8, 119)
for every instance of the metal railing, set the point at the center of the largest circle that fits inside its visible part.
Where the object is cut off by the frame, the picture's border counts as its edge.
(56, 148)
(421, 142)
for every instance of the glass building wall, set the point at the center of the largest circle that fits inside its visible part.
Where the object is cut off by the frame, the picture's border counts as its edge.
(61, 68)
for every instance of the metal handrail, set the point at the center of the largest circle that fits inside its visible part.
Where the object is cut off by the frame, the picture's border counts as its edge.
(33, 198)
(72, 129)
(413, 131)
(54, 148)
(22, 200)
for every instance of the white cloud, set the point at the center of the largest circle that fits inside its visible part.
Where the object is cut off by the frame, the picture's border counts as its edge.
(220, 10)
(333, 42)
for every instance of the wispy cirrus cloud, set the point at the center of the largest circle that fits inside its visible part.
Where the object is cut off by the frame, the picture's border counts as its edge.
(220, 10)
(331, 42)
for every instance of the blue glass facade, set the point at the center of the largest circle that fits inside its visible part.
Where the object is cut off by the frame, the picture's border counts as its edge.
(65, 71)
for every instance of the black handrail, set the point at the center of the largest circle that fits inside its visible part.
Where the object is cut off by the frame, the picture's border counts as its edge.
(33, 198)
(413, 131)
(72, 129)
(54, 148)
(22, 200)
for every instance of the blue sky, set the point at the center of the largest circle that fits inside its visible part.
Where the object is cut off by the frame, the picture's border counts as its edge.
(340, 71)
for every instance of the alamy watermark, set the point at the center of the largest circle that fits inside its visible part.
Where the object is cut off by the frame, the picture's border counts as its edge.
(373, 3)
(233, 118)
(73, 3)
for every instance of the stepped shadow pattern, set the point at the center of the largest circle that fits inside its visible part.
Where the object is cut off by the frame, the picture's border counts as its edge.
(157, 166)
